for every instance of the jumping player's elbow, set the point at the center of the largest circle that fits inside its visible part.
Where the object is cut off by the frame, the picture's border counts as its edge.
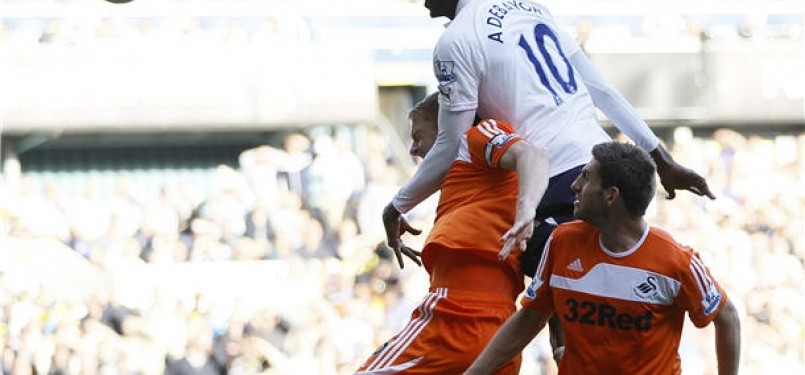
(533, 157)
(524, 154)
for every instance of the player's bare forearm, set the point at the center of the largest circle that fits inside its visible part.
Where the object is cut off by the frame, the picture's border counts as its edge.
(674, 176)
(728, 340)
(510, 340)
(532, 172)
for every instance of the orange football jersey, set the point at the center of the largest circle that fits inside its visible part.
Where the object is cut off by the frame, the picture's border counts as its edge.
(476, 207)
(623, 312)
(471, 292)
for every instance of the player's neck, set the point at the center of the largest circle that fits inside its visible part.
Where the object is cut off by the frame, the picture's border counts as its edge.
(622, 234)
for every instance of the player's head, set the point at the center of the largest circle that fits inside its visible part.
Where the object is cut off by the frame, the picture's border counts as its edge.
(424, 125)
(442, 8)
(620, 173)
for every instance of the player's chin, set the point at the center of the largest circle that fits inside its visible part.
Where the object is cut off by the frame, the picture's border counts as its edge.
(577, 212)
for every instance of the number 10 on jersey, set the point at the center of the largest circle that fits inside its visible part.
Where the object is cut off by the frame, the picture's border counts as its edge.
(541, 31)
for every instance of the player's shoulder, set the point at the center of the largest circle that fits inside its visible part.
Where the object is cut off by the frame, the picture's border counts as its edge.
(574, 229)
(574, 226)
(492, 126)
(490, 131)
(467, 23)
(665, 242)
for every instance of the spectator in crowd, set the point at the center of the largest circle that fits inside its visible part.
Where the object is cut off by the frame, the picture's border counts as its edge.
(752, 240)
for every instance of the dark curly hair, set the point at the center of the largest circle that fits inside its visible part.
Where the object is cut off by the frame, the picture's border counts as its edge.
(631, 170)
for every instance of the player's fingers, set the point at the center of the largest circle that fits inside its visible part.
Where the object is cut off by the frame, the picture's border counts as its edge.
(507, 248)
(509, 234)
(528, 231)
(671, 193)
(398, 254)
(704, 189)
(514, 231)
(413, 255)
(408, 228)
(504, 253)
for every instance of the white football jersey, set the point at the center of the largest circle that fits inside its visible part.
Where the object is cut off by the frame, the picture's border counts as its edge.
(508, 60)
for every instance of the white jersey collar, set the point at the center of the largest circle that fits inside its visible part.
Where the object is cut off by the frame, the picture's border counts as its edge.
(627, 252)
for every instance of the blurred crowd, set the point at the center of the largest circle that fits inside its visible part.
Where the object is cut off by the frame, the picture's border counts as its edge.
(207, 28)
(309, 211)
(93, 32)
(753, 239)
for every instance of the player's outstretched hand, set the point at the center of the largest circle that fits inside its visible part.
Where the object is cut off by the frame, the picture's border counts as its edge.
(674, 176)
(517, 236)
(396, 226)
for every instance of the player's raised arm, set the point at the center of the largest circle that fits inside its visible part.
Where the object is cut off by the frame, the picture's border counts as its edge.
(673, 176)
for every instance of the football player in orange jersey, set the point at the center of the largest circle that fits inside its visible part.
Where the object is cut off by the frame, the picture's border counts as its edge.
(493, 188)
(620, 287)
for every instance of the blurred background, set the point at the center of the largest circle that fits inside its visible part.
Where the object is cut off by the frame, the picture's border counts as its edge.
(195, 186)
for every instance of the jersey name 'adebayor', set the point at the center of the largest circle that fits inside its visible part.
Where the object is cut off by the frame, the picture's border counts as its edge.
(499, 11)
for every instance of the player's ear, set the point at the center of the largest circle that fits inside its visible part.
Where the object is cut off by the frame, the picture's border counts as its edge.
(611, 194)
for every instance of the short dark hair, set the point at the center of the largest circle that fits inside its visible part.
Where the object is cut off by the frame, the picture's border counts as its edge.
(631, 170)
(427, 109)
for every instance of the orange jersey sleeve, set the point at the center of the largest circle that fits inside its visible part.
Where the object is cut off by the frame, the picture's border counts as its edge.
(488, 140)
(699, 294)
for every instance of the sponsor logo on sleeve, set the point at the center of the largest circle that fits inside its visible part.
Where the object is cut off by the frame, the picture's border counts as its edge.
(444, 71)
(500, 139)
(711, 299)
(531, 291)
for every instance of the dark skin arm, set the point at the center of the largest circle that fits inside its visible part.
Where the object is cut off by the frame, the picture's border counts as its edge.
(396, 226)
(509, 340)
(728, 340)
(674, 176)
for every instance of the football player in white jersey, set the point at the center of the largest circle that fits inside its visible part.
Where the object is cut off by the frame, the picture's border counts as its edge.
(509, 60)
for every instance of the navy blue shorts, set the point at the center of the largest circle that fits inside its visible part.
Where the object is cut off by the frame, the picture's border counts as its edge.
(556, 207)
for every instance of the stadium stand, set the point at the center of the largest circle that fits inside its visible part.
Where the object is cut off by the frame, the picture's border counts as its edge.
(204, 229)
